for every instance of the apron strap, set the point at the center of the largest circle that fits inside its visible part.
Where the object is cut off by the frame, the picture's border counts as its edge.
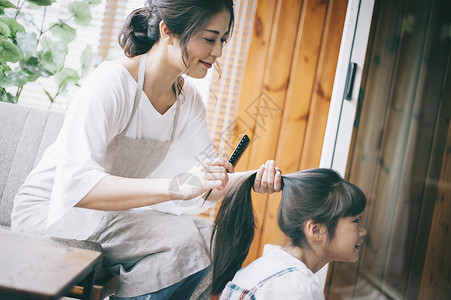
(139, 90)
(177, 109)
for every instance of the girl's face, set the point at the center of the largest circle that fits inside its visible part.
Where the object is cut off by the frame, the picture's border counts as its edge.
(206, 47)
(347, 241)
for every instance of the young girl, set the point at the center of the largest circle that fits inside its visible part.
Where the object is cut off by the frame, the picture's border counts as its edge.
(134, 125)
(319, 213)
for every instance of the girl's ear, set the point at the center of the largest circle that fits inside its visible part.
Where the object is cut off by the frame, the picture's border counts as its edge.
(165, 33)
(315, 231)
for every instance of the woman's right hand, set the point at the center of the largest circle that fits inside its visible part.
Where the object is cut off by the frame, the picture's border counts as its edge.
(205, 176)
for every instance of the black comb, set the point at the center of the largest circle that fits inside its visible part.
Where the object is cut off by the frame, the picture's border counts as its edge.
(236, 155)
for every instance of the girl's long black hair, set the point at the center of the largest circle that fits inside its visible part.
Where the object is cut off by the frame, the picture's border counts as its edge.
(321, 195)
(233, 233)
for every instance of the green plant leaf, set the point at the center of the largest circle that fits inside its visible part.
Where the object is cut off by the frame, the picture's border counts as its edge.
(7, 97)
(86, 60)
(26, 19)
(14, 27)
(82, 14)
(34, 69)
(7, 4)
(63, 31)
(3, 82)
(50, 96)
(53, 59)
(33, 6)
(27, 42)
(41, 2)
(65, 77)
(4, 66)
(32, 62)
(94, 2)
(16, 77)
(32, 58)
(4, 30)
(9, 52)
(46, 43)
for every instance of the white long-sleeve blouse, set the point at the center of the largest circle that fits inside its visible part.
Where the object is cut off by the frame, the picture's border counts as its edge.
(71, 166)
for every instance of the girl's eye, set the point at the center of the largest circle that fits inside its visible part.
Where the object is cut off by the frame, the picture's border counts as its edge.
(210, 41)
(357, 220)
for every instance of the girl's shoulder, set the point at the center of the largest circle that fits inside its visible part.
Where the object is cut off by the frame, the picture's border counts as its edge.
(275, 263)
(273, 279)
(289, 284)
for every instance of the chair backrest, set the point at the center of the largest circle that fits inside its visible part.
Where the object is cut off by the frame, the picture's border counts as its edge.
(25, 133)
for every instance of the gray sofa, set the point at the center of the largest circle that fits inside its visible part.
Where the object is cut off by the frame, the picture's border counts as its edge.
(25, 133)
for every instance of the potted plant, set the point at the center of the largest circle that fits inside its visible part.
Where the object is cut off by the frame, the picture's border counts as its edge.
(30, 50)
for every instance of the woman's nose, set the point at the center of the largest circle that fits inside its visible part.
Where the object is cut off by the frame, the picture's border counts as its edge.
(216, 51)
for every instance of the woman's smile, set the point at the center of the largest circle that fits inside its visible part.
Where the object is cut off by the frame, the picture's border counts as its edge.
(206, 64)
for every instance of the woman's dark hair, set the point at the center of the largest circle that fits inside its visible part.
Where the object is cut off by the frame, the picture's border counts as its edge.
(321, 195)
(184, 18)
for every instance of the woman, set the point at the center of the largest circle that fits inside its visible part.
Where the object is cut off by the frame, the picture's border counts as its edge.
(133, 126)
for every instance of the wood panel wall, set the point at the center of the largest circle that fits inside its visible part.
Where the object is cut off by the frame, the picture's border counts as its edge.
(436, 276)
(286, 91)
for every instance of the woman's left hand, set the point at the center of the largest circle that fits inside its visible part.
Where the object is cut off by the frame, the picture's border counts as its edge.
(268, 178)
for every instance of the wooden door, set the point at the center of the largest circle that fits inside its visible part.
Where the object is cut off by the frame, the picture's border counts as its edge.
(399, 156)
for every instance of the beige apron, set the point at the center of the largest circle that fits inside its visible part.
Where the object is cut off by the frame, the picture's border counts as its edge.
(150, 250)
(134, 158)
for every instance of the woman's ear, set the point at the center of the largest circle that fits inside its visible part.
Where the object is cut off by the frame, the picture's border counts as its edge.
(314, 231)
(165, 33)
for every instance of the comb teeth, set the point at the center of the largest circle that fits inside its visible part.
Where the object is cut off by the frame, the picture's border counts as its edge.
(239, 150)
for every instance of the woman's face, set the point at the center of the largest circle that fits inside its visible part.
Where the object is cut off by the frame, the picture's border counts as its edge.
(206, 47)
(347, 241)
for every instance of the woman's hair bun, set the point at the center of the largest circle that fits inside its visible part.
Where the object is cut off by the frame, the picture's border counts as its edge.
(140, 31)
(184, 18)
